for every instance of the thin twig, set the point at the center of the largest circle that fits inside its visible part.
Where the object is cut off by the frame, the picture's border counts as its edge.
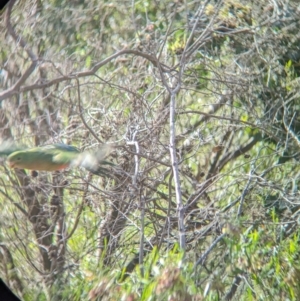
(134, 142)
(205, 254)
(83, 201)
(81, 114)
(246, 190)
(288, 127)
(180, 207)
(236, 282)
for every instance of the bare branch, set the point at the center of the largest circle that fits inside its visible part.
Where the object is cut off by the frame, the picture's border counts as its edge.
(16, 89)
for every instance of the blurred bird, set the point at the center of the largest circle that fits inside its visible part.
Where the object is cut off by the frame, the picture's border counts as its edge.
(54, 157)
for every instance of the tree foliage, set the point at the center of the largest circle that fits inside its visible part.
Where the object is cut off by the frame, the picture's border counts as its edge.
(200, 102)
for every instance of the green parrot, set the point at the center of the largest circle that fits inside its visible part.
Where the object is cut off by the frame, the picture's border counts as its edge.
(54, 157)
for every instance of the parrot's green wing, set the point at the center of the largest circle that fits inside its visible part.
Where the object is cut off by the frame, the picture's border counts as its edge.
(61, 153)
